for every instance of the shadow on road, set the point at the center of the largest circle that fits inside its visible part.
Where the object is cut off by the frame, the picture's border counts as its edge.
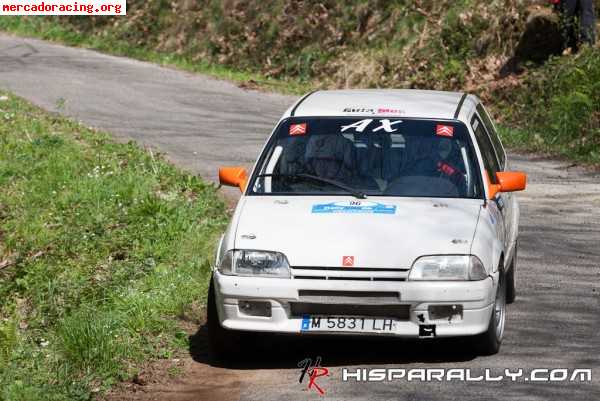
(270, 351)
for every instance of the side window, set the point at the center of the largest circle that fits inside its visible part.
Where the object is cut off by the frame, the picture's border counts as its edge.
(489, 126)
(487, 150)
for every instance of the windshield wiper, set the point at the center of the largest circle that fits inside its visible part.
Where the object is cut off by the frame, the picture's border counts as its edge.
(352, 191)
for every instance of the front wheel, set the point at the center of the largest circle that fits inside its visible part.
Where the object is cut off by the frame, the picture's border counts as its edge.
(488, 343)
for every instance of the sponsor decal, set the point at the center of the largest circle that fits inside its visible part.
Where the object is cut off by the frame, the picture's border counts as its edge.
(444, 130)
(360, 126)
(348, 261)
(298, 129)
(387, 126)
(359, 110)
(387, 110)
(354, 207)
(370, 110)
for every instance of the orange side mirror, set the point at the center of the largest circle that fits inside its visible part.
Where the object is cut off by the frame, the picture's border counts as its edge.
(511, 181)
(508, 181)
(233, 177)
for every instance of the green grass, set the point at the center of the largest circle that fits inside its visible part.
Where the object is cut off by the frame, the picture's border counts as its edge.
(52, 29)
(103, 247)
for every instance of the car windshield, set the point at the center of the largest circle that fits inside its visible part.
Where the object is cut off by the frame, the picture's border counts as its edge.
(369, 157)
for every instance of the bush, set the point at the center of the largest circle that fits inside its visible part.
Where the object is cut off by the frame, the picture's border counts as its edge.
(559, 105)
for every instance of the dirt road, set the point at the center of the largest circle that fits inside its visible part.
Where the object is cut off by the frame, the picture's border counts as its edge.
(201, 123)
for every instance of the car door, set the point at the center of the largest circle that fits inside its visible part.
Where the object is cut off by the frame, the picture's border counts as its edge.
(509, 200)
(497, 209)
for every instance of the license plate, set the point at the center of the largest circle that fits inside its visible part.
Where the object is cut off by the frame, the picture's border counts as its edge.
(348, 324)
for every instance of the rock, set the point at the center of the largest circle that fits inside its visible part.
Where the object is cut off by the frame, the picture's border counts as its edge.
(541, 39)
(139, 379)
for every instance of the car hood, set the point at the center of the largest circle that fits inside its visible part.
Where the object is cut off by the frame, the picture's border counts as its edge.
(377, 232)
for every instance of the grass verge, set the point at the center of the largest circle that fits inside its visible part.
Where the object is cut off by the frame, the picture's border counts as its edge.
(102, 247)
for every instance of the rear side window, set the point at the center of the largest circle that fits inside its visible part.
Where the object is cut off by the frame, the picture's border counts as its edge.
(488, 154)
(489, 126)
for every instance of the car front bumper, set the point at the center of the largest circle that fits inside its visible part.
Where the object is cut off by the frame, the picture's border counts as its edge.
(474, 298)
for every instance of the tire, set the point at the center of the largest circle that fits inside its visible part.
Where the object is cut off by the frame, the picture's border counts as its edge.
(488, 343)
(511, 287)
(223, 344)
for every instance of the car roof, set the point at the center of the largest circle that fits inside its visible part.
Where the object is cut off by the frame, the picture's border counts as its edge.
(377, 102)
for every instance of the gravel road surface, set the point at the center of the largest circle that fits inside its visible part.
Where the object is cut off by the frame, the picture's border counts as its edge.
(201, 123)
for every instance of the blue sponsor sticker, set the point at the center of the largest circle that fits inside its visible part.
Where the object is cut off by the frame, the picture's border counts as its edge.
(305, 323)
(354, 207)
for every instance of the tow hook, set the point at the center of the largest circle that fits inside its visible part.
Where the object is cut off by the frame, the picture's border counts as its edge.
(426, 330)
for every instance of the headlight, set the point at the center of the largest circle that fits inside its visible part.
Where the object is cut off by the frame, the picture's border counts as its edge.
(254, 263)
(448, 268)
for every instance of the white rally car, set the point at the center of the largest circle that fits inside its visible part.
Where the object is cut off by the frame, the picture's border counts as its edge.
(371, 212)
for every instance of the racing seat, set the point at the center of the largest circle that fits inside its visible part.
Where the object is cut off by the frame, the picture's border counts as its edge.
(422, 171)
(334, 157)
(371, 155)
(292, 159)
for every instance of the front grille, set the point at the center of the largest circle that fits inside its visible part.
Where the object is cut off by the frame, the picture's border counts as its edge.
(349, 273)
(348, 297)
(401, 312)
(350, 278)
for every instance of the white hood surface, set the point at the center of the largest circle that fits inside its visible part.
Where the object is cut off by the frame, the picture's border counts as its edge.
(378, 232)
